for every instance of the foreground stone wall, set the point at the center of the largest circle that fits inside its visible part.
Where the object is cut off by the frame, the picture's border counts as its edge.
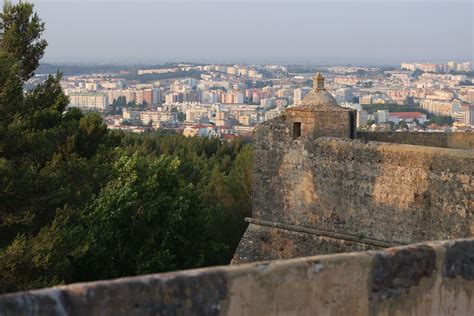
(364, 195)
(424, 279)
(444, 140)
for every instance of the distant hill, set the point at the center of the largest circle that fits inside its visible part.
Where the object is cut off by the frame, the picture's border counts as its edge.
(70, 70)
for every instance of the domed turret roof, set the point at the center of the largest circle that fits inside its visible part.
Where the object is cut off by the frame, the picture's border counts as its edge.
(318, 98)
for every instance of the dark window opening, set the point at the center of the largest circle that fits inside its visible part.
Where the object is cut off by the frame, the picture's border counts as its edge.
(352, 125)
(296, 129)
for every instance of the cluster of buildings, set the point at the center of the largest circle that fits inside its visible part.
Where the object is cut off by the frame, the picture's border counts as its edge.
(229, 100)
(438, 68)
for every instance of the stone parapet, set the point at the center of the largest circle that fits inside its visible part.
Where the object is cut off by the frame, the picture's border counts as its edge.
(435, 278)
(445, 140)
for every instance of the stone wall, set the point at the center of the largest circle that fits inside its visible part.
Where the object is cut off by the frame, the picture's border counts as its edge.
(269, 241)
(364, 195)
(425, 279)
(444, 140)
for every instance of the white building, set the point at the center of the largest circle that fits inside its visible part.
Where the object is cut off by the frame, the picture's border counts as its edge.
(238, 98)
(447, 108)
(96, 101)
(131, 115)
(92, 86)
(210, 97)
(222, 118)
(468, 115)
(147, 117)
(408, 117)
(343, 95)
(195, 115)
(268, 103)
(299, 94)
(381, 116)
(139, 97)
(270, 115)
(366, 99)
(362, 118)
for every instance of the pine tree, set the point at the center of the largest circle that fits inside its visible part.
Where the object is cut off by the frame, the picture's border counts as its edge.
(20, 36)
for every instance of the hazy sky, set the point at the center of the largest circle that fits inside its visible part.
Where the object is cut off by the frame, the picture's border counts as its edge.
(258, 31)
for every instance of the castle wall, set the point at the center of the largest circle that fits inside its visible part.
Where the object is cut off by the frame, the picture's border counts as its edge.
(368, 192)
(425, 279)
(444, 140)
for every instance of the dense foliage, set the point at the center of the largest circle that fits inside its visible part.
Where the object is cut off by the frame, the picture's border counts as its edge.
(393, 107)
(75, 70)
(79, 203)
(441, 120)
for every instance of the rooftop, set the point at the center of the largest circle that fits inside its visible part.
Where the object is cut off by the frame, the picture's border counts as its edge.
(318, 98)
(407, 114)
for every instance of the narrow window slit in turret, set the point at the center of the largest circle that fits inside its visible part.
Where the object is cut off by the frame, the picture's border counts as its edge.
(296, 130)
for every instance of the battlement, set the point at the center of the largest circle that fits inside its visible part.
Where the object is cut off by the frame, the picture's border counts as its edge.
(425, 279)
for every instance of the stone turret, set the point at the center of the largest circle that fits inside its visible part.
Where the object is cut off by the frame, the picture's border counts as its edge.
(318, 98)
(320, 115)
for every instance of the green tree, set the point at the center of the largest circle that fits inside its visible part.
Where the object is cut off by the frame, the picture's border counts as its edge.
(20, 36)
(403, 125)
(80, 203)
(46, 259)
(241, 175)
(120, 102)
(147, 219)
(41, 145)
(417, 73)
(440, 120)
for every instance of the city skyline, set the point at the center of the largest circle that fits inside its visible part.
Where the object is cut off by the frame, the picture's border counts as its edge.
(320, 32)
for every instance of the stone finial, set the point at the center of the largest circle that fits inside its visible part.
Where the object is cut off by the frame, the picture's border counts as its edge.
(318, 82)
